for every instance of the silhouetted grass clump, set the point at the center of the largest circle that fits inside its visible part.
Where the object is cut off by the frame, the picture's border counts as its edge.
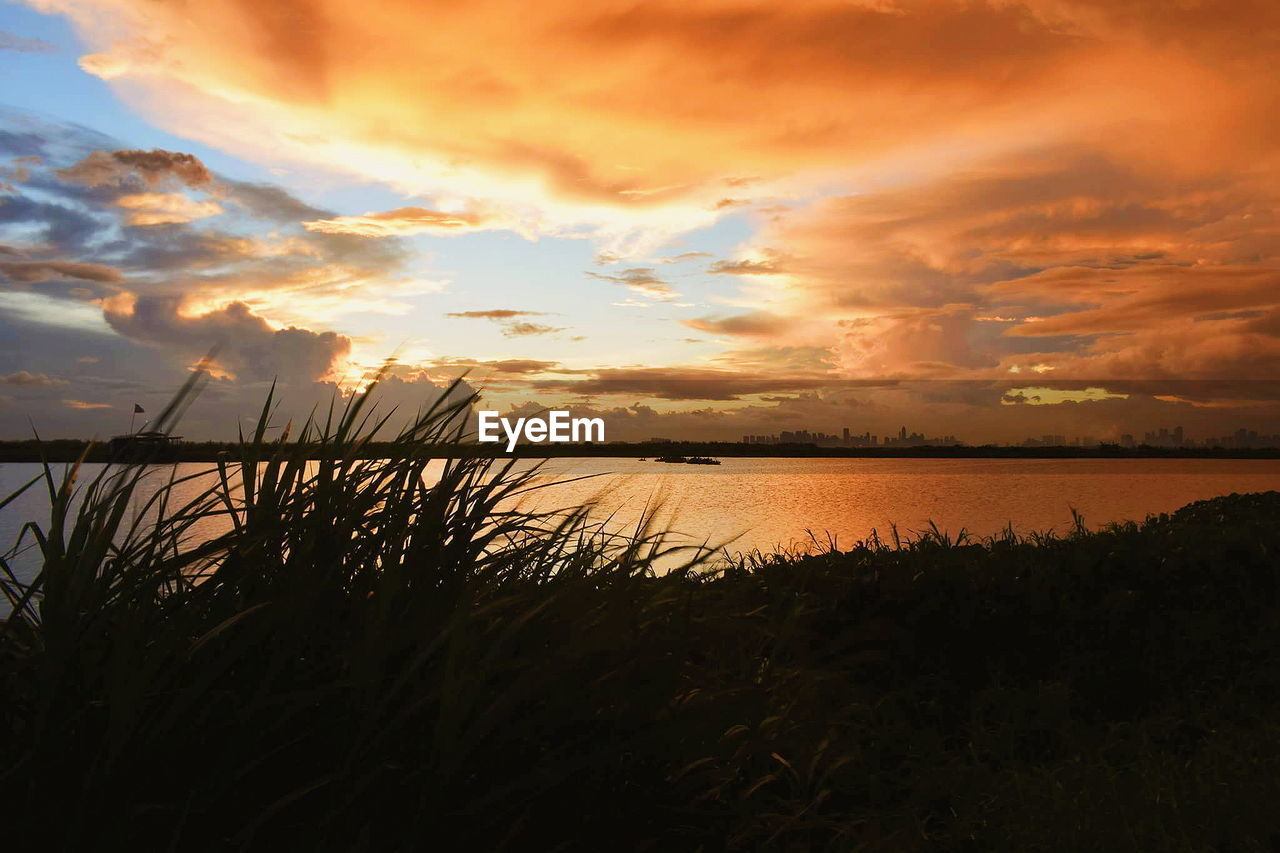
(372, 657)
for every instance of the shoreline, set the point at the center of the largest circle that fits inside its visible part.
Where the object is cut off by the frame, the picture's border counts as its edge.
(70, 450)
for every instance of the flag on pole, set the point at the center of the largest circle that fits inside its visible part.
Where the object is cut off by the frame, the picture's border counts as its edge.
(138, 410)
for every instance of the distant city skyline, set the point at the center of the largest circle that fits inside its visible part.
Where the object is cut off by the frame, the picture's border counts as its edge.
(1241, 438)
(903, 438)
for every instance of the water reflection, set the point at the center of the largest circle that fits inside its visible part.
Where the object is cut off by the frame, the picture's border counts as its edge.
(767, 503)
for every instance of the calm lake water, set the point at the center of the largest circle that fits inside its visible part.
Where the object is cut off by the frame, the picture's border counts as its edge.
(768, 503)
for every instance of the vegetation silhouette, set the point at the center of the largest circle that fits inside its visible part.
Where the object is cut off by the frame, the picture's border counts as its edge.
(375, 658)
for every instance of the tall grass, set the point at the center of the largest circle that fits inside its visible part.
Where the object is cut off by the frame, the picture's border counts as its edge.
(372, 658)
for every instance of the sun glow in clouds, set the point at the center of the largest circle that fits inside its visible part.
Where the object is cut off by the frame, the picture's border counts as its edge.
(1041, 396)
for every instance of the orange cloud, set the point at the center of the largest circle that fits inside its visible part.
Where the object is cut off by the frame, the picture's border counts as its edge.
(754, 324)
(502, 367)
(152, 167)
(641, 280)
(525, 329)
(679, 383)
(509, 320)
(498, 314)
(27, 379)
(32, 271)
(747, 266)
(1090, 265)
(644, 115)
(404, 222)
(165, 208)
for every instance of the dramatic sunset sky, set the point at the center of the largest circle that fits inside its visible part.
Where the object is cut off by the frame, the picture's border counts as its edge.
(701, 218)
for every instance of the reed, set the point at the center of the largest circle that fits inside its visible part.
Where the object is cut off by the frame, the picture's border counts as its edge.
(373, 657)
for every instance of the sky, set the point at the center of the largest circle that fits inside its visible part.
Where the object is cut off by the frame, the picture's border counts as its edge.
(697, 220)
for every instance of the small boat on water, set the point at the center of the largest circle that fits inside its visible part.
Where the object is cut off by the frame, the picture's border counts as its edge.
(687, 460)
(150, 446)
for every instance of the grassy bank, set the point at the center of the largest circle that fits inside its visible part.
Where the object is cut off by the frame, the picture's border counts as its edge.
(368, 661)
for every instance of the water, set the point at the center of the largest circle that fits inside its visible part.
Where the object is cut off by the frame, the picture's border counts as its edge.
(769, 503)
(773, 502)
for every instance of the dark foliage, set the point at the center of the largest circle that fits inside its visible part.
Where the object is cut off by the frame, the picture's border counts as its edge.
(371, 658)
